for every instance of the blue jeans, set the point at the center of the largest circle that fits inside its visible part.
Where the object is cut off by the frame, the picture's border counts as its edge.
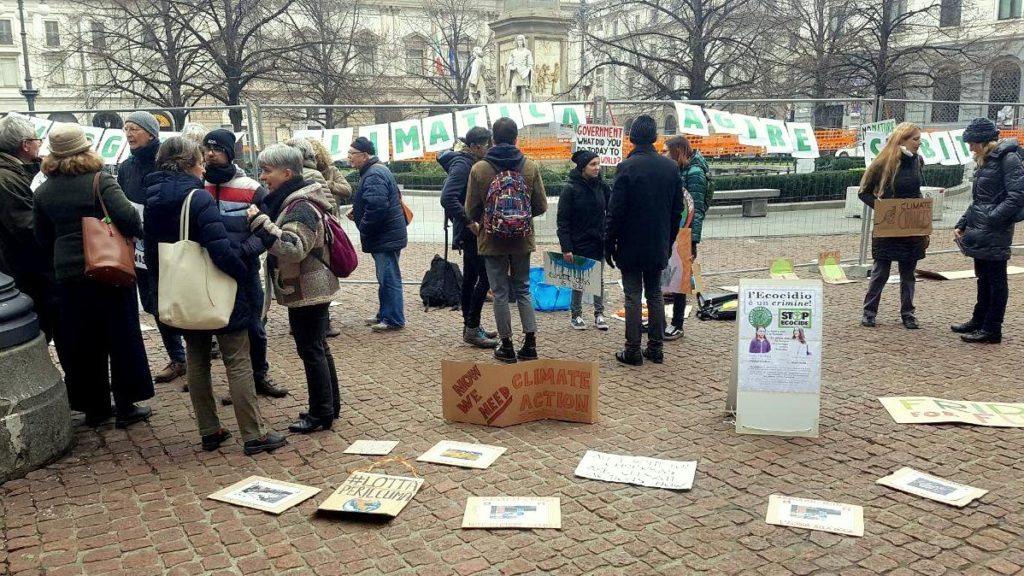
(389, 291)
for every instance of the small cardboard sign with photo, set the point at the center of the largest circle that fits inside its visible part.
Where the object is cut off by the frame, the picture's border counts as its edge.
(932, 487)
(513, 512)
(266, 494)
(846, 519)
(371, 447)
(462, 454)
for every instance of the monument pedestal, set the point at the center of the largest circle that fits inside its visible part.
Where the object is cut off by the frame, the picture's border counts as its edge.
(546, 31)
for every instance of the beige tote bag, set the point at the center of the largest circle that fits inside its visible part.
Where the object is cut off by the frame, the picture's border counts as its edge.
(193, 294)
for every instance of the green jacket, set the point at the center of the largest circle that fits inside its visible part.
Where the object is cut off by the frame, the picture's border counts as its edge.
(61, 203)
(695, 178)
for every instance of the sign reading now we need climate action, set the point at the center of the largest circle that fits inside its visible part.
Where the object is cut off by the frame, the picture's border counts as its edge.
(500, 395)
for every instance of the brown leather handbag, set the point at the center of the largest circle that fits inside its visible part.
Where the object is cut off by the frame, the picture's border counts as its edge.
(109, 256)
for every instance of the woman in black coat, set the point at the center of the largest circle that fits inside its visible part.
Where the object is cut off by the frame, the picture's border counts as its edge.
(895, 173)
(985, 231)
(581, 213)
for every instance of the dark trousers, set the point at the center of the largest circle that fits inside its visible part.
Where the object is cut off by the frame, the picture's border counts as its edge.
(679, 300)
(474, 285)
(173, 342)
(993, 293)
(258, 334)
(100, 325)
(309, 326)
(647, 282)
(880, 275)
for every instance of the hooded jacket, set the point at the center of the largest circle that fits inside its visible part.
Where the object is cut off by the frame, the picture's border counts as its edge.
(499, 159)
(644, 212)
(377, 210)
(165, 196)
(453, 195)
(581, 211)
(906, 184)
(695, 179)
(996, 199)
(292, 230)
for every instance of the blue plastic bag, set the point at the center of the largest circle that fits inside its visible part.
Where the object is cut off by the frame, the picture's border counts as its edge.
(547, 298)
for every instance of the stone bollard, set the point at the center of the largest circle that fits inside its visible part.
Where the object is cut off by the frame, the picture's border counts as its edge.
(35, 420)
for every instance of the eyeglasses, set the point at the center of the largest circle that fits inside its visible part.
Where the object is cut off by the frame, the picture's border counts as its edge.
(32, 140)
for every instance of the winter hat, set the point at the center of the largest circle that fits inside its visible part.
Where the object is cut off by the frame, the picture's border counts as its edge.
(222, 139)
(146, 121)
(644, 130)
(981, 130)
(582, 157)
(363, 144)
(68, 140)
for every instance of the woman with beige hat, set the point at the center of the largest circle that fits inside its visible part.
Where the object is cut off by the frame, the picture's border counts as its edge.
(100, 322)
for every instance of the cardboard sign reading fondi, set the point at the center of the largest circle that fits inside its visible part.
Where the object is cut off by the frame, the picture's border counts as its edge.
(500, 395)
(375, 494)
(899, 218)
(927, 410)
(605, 141)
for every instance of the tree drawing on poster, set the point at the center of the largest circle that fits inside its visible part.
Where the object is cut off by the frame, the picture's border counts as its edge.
(581, 274)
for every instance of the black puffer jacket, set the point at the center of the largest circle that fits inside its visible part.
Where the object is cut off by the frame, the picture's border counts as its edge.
(377, 210)
(906, 184)
(581, 212)
(997, 197)
(453, 195)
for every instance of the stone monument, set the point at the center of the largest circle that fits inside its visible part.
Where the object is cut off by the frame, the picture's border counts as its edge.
(478, 79)
(35, 421)
(540, 29)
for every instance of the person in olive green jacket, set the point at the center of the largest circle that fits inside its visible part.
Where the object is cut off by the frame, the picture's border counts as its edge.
(100, 322)
(507, 259)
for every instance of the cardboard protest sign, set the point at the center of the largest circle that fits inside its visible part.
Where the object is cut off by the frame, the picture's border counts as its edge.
(605, 141)
(902, 217)
(371, 447)
(373, 494)
(831, 271)
(581, 274)
(537, 113)
(961, 274)
(570, 114)
(928, 410)
(846, 519)
(407, 139)
(639, 470)
(677, 277)
(504, 395)
(873, 144)
(266, 494)
(691, 119)
(470, 118)
(495, 111)
(462, 454)
(439, 132)
(779, 141)
(337, 142)
(932, 487)
(513, 512)
(782, 269)
(805, 144)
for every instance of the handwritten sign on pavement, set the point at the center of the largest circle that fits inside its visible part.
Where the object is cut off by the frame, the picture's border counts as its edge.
(639, 470)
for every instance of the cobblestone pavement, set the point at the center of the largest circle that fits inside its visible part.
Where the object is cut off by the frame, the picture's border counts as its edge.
(134, 502)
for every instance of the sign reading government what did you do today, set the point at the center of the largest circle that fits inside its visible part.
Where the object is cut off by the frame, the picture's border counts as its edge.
(605, 141)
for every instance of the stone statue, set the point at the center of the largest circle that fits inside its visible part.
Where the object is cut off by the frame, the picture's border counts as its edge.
(520, 71)
(1004, 118)
(478, 77)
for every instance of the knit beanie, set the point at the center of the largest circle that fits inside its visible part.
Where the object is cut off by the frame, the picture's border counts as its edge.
(146, 121)
(68, 140)
(644, 130)
(582, 157)
(363, 144)
(980, 131)
(223, 139)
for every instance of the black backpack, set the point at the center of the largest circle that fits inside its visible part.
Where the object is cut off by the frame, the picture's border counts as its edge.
(442, 284)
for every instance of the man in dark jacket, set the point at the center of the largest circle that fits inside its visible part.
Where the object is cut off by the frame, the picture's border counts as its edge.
(142, 131)
(234, 193)
(23, 259)
(985, 231)
(457, 163)
(378, 214)
(643, 219)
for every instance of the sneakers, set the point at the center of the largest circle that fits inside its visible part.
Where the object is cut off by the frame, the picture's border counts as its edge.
(982, 337)
(384, 327)
(910, 323)
(477, 337)
(136, 414)
(965, 328)
(492, 334)
(630, 358)
(599, 322)
(656, 356)
(577, 323)
(505, 352)
(371, 321)
(271, 441)
(332, 330)
(867, 322)
(172, 371)
(267, 387)
(672, 333)
(213, 441)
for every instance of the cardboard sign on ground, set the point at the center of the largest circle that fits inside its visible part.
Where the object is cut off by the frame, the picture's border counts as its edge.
(581, 274)
(961, 274)
(932, 487)
(513, 512)
(372, 494)
(846, 519)
(831, 271)
(639, 470)
(928, 410)
(899, 218)
(462, 454)
(371, 447)
(782, 269)
(266, 494)
(503, 395)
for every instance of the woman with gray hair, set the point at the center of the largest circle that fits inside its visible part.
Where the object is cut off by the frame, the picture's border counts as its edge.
(291, 226)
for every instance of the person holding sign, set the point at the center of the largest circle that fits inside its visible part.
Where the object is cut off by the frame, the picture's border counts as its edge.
(895, 173)
(581, 212)
(985, 231)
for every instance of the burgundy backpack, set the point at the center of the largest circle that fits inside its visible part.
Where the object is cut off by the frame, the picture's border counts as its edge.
(342, 258)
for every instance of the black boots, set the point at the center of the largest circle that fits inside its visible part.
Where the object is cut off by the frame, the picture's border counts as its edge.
(630, 357)
(529, 349)
(982, 337)
(965, 328)
(506, 352)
